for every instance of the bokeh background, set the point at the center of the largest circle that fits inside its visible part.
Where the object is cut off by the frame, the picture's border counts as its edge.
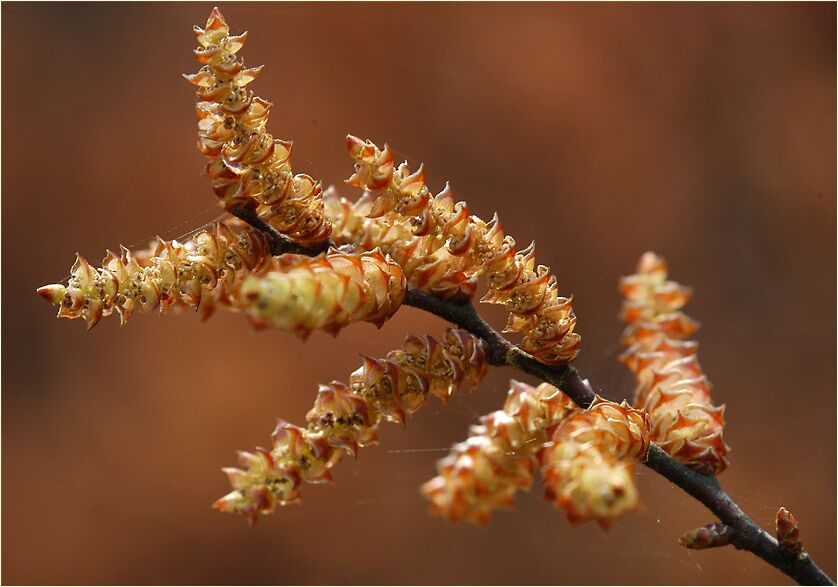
(705, 132)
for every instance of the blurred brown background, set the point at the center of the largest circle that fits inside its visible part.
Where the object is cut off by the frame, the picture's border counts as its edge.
(703, 132)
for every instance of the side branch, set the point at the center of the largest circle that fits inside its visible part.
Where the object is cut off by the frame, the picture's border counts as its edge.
(745, 533)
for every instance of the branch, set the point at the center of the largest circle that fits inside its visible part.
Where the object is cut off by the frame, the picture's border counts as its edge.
(745, 533)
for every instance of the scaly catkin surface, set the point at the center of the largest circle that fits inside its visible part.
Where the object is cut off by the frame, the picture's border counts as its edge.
(346, 417)
(670, 384)
(246, 164)
(444, 250)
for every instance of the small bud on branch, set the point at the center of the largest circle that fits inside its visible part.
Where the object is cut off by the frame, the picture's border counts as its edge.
(709, 536)
(788, 532)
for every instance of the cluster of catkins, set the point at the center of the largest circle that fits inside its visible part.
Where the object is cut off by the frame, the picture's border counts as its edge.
(500, 455)
(397, 235)
(433, 242)
(586, 458)
(670, 384)
(231, 267)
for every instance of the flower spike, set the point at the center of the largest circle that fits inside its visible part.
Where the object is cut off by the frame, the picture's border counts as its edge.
(346, 417)
(586, 458)
(202, 273)
(444, 250)
(248, 167)
(669, 382)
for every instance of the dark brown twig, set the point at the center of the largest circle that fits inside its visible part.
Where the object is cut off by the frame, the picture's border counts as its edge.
(280, 243)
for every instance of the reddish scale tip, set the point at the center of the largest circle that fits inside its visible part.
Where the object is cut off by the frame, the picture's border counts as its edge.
(47, 292)
(215, 15)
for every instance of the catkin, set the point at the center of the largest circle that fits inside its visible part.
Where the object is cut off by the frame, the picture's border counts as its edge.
(346, 417)
(588, 465)
(247, 166)
(669, 382)
(300, 294)
(445, 250)
(201, 273)
(499, 457)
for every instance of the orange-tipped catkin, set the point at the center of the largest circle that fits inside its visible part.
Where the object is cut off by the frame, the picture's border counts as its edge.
(345, 417)
(588, 466)
(499, 456)
(201, 273)
(300, 294)
(670, 384)
(247, 166)
(446, 249)
(788, 532)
